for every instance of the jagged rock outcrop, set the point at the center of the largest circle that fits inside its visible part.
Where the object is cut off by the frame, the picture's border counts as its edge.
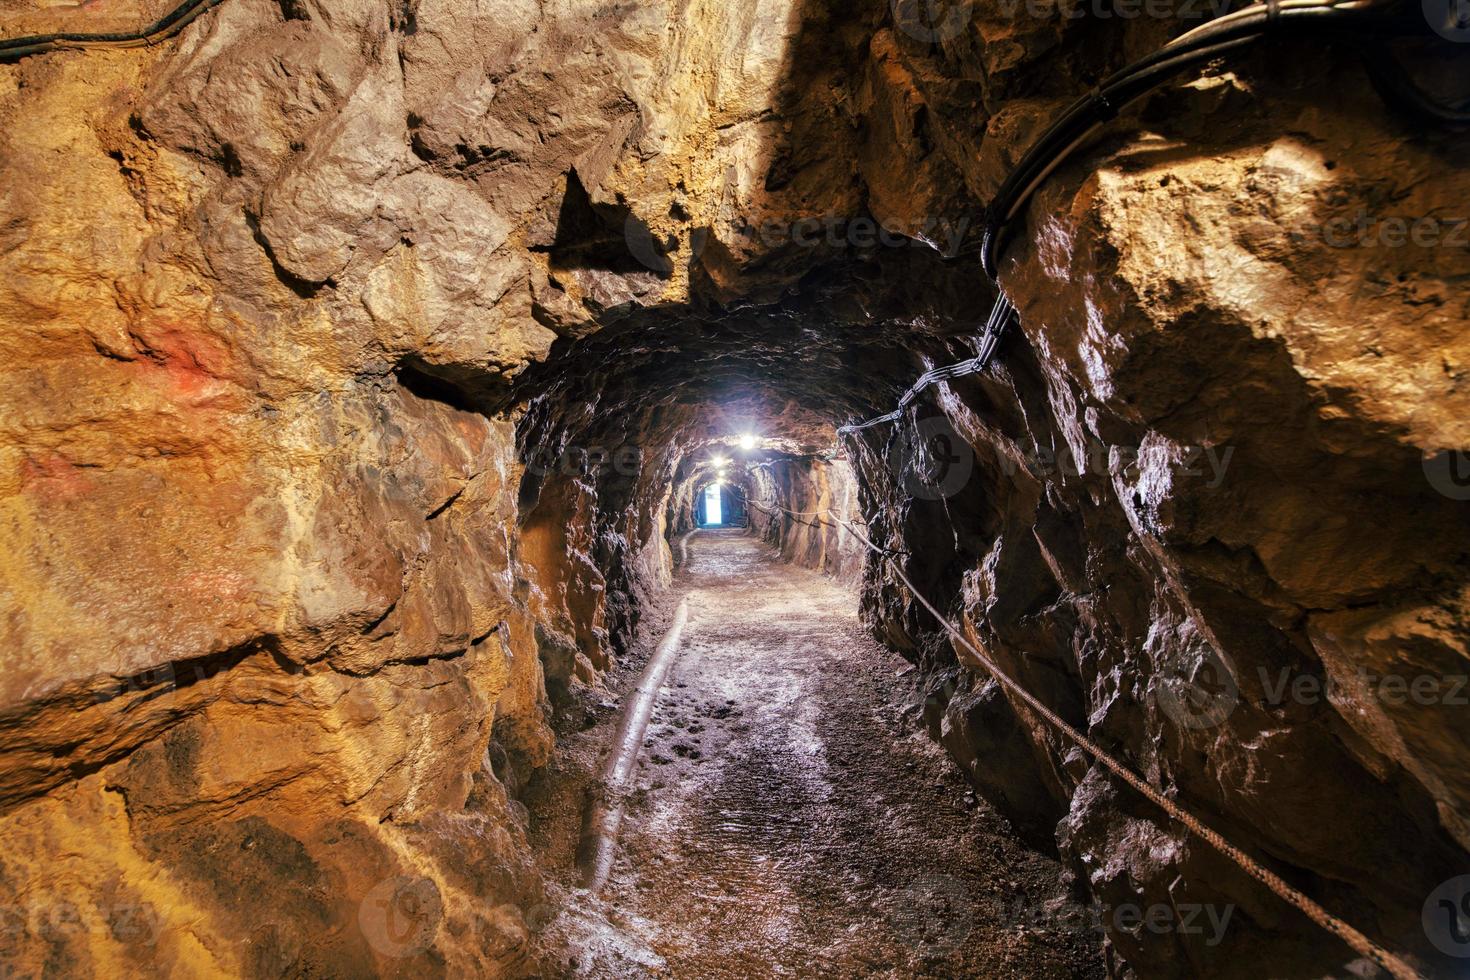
(362, 358)
(1211, 522)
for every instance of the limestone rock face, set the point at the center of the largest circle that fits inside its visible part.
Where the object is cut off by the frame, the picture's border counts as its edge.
(362, 359)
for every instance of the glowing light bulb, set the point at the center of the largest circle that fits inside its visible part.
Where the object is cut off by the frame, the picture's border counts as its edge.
(747, 441)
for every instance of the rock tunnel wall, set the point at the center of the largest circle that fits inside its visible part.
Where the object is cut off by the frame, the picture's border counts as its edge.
(1206, 514)
(362, 358)
(805, 496)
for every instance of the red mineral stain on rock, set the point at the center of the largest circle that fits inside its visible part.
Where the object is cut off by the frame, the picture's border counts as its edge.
(53, 477)
(193, 365)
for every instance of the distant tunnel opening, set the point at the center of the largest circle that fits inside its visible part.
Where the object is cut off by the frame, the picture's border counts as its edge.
(712, 509)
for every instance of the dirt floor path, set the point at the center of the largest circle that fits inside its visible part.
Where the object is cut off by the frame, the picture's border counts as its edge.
(790, 819)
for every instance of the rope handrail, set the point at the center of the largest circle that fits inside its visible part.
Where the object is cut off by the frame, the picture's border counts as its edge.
(1353, 937)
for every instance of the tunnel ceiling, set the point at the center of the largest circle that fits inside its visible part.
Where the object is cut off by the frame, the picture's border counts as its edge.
(833, 351)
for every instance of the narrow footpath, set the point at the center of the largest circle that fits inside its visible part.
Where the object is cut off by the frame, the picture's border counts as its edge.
(790, 818)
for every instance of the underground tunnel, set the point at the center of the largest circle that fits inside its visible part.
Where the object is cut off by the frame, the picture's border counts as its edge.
(734, 488)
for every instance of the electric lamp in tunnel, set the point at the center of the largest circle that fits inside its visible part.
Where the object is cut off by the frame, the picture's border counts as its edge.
(747, 441)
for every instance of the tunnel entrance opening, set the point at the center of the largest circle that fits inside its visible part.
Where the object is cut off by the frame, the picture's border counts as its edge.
(714, 513)
(717, 505)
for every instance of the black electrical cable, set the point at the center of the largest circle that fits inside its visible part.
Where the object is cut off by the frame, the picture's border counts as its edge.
(165, 27)
(1083, 117)
(1394, 84)
(1002, 314)
(1201, 45)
